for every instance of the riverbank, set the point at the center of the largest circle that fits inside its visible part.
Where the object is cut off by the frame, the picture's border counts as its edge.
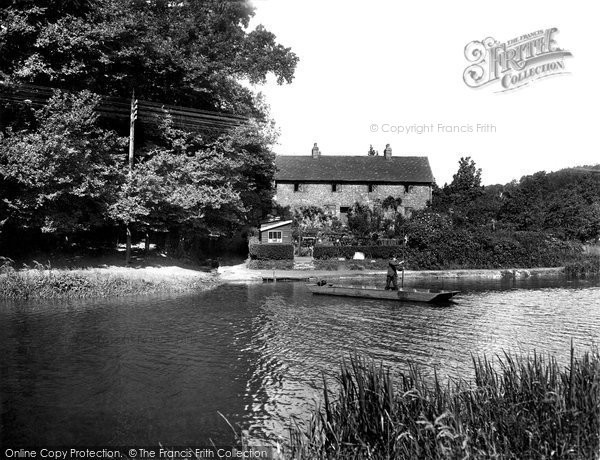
(111, 281)
(108, 281)
(240, 273)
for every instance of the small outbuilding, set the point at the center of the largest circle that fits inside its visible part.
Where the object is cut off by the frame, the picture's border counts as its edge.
(276, 232)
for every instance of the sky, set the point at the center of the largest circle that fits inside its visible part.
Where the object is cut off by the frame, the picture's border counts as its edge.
(368, 71)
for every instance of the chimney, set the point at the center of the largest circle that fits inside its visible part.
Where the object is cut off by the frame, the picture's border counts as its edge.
(387, 152)
(316, 153)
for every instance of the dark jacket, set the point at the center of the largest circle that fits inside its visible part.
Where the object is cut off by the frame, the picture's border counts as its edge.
(392, 269)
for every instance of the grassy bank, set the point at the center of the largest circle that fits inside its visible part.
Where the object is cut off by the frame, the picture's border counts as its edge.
(519, 407)
(587, 266)
(41, 283)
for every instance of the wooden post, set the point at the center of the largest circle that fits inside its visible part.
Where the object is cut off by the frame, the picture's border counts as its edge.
(147, 243)
(403, 258)
(128, 246)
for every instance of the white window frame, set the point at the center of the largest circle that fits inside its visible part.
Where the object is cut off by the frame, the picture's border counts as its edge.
(274, 236)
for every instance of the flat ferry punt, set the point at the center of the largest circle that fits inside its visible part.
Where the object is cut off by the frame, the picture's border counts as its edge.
(403, 295)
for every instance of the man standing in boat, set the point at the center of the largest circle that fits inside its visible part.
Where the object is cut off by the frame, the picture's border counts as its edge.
(392, 274)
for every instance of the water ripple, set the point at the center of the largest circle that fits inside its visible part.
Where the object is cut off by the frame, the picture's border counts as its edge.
(148, 370)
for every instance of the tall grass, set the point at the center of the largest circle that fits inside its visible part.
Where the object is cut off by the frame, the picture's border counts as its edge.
(519, 407)
(43, 282)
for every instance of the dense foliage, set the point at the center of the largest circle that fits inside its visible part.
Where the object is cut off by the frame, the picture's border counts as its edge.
(64, 171)
(564, 204)
(191, 52)
(61, 175)
(543, 220)
(464, 249)
(311, 220)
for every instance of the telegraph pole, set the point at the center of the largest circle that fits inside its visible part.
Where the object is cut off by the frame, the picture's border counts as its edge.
(132, 118)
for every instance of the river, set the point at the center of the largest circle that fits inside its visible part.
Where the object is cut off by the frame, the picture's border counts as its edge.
(161, 369)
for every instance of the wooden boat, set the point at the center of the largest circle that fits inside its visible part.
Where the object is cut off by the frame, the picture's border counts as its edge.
(403, 295)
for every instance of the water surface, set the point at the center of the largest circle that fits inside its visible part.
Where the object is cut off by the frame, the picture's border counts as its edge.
(144, 370)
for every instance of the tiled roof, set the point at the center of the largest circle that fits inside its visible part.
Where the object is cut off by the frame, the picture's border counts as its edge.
(272, 225)
(353, 169)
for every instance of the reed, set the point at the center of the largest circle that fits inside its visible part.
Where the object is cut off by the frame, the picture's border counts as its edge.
(516, 407)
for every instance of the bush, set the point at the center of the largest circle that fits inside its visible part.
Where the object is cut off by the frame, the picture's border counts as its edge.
(370, 252)
(367, 264)
(462, 248)
(589, 265)
(271, 251)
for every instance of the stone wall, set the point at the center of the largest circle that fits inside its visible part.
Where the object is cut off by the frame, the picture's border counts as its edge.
(321, 195)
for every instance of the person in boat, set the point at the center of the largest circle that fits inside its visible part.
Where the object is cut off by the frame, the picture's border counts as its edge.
(391, 281)
(392, 274)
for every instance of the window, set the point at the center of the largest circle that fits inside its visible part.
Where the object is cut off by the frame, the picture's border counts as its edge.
(372, 188)
(330, 209)
(274, 237)
(336, 187)
(344, 209)
(408, 188)
(298, 187)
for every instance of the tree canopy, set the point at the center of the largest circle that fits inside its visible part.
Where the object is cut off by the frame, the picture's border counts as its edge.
(192, 52)
(61, 175)
(62, 169)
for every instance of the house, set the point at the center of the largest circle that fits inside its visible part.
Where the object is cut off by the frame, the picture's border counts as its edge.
(276, 231)
(336, 182)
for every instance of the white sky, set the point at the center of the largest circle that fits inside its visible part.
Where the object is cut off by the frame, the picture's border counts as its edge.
(401, 63)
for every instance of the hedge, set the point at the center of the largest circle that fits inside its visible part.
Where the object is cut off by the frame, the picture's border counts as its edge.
(462, 249)
(370, 252)
(271, 251)
(270, 264)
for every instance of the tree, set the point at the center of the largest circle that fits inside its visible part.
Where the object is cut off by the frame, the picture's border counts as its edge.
(460, 197)
(364, 221)
(182, 185)
(467, 178)
(60, 175)
(313, 218)
(524, 202)
(426, 228)
(190, 52)
(251, 145)
(564, 203)
(197, 53)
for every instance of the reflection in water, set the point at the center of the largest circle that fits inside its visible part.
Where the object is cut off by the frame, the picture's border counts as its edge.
(149, 370)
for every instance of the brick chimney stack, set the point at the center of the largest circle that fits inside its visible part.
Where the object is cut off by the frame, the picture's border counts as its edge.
(387, 152)
(316, 153)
